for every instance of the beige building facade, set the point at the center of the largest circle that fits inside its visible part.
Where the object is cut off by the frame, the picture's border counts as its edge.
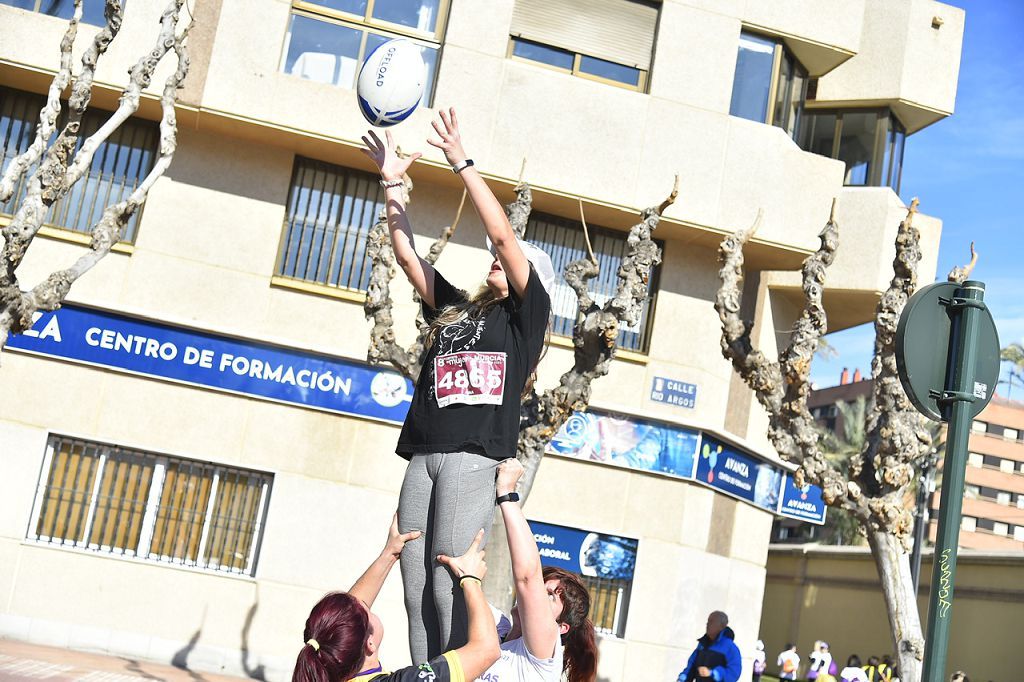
(162, 503)
(993, 512)
(817, 592)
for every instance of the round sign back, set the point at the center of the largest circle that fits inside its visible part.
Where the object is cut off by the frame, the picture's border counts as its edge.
(923, 349)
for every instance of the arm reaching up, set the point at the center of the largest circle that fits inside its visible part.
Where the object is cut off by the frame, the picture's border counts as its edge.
(392, 169)
(367, 587)
(491, 213)
(540, 629)
(481, 650)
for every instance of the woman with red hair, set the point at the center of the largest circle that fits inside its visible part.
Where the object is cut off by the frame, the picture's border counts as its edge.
(343, 635)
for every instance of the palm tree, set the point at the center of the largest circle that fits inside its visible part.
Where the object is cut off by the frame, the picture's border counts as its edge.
(1014, 356)
(841, 528)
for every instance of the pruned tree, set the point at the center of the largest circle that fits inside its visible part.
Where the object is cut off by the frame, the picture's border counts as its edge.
(594, 337)
(876, 485)
(56, 160)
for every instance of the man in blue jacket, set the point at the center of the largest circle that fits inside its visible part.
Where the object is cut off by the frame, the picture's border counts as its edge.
(716, 657)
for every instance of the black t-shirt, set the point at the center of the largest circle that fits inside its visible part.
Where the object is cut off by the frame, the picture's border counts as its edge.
(445, 668)
(469, 391)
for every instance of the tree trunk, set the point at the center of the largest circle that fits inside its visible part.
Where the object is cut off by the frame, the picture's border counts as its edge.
(893, 563)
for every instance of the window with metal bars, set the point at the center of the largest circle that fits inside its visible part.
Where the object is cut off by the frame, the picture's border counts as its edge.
(118, 165)
(564, 241)
(113, 500)
(609, 603)
(330, 212)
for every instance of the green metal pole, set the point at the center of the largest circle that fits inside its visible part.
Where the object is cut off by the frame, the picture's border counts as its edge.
(965, 310)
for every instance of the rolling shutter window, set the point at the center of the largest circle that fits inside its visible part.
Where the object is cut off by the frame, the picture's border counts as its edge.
(620, 31)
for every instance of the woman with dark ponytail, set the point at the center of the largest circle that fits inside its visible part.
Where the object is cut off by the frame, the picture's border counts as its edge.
(343, 636)
(550, 631)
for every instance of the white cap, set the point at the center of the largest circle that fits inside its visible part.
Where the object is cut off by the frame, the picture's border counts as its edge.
(540, 260)
(759, 645)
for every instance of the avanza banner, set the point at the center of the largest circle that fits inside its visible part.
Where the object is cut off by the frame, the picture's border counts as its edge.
(580, 551)
(725, 468)
(646, 445)
(803, 503)
(200, 358)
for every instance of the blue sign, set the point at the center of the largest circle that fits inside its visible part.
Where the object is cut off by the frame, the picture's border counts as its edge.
(633, 443)
(202, 359)
(593, 554)
(804, 503)
(724, 468)
(674, 392)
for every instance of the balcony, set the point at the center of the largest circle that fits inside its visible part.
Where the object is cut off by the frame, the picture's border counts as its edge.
(909, 61)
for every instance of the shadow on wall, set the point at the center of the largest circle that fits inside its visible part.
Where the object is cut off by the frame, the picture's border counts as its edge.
(259, 672)
(180, 659)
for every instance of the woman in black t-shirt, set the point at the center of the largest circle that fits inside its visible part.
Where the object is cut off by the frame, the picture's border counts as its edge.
(464, 416)
(343, 636)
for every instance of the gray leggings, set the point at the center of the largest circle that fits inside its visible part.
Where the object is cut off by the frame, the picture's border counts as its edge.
(448, 496)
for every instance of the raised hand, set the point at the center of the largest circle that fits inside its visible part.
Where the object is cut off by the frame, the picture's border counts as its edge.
(451, 141)
(470, 563)
(509, 473)
(385, 156)
(396, 541)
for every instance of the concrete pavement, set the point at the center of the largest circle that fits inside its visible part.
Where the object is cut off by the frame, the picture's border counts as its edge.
(21, 661)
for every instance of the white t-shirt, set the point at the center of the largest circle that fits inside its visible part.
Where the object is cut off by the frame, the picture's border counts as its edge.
(820, 661)
(788, 662)
(851, 674)
(517, 664)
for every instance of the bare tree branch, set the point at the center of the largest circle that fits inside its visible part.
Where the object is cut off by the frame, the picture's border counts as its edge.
(446, 234)
(880, 474)
(586, 235)
(761, 375)
(59, 171)
(594, 342)
(518, 211)
(48, 294)
(20, 165)
(959, 274)
(782, 387)
(897, 436)
(383, 346)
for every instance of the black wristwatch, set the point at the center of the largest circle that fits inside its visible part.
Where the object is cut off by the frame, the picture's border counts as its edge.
(511, 497)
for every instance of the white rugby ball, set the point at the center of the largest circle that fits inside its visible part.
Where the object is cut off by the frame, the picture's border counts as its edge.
(391, 82)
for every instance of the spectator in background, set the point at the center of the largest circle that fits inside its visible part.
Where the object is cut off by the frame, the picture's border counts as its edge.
(959, 676)
(820, 661)
(760, 661)
(853, 672)
(877, 671)
(788, 662)
(716, 657)
(894, 675)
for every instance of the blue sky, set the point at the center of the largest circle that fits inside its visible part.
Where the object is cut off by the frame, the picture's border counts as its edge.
(968, 170)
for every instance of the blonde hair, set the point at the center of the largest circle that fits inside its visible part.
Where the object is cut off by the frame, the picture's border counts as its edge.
(474, 308)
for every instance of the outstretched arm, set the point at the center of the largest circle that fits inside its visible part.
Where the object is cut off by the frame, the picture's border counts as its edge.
(540, 630)
(367, 587)
(392, 168)
(481, 650)
(492, 215)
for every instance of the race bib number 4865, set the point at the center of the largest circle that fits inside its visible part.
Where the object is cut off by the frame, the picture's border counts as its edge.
(469, 378)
